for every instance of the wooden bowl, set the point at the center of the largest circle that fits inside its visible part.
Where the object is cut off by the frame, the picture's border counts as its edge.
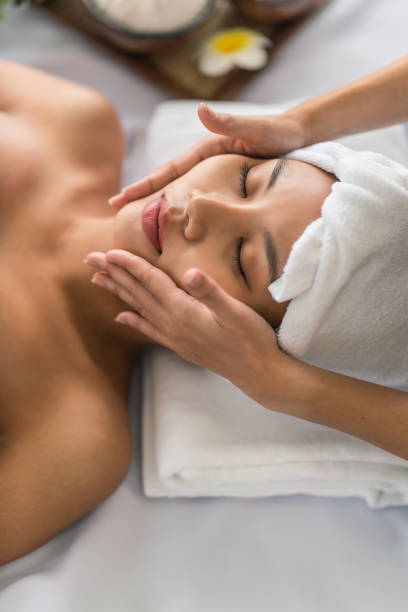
(134, 41)
(276, 11)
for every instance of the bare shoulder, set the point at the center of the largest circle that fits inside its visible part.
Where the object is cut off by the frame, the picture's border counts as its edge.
(75, 117)
(30, 89)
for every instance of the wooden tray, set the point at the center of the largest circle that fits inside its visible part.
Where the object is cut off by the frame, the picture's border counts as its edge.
(174, 69)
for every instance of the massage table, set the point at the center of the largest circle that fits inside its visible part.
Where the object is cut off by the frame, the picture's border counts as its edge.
(293, 553)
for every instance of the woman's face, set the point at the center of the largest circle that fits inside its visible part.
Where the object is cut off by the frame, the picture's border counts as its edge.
(230, 204)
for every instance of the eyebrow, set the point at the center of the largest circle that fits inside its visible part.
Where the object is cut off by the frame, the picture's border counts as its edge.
(270, 250)
(278, 167)
(270, 254)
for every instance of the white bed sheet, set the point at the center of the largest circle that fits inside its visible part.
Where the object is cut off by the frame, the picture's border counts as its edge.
(290, 554)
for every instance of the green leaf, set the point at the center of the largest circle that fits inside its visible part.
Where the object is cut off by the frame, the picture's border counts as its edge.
(3, 3)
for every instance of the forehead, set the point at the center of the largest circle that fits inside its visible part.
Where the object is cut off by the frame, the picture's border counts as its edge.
(297, 179)
(303, 176)
(232, 158)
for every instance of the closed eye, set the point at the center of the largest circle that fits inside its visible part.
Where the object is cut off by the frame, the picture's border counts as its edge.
(238, 269)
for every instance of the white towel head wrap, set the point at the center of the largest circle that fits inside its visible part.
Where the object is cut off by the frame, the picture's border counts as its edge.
(347, 274)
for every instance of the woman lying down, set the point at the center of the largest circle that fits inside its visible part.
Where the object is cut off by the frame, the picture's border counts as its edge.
(66, 363)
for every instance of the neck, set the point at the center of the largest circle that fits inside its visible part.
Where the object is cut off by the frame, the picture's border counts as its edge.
(91, 308)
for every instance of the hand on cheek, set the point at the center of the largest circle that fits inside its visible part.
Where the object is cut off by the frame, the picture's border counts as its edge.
(203, 324)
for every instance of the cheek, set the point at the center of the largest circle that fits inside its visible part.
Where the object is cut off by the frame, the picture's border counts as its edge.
(261, 301)
(210, 174)
(177, 265)
(209, 263)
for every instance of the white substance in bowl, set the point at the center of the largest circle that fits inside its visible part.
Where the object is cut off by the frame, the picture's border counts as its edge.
(151, 15)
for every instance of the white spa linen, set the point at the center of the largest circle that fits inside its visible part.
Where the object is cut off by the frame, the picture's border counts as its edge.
(202, 436)
(347, 274)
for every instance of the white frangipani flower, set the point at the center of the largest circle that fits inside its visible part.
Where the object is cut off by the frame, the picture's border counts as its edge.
(240, 47)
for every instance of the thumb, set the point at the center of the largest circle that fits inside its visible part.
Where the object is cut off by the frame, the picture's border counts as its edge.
(205, 289)
(235, 126)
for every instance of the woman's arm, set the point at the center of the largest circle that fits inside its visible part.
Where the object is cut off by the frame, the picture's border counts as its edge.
(362, 409)
(216, 331)
(375, 101)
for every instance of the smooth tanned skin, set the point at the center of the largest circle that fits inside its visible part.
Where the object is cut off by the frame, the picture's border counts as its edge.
(65, 364)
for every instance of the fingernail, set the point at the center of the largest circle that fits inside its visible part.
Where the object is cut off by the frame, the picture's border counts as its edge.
(92, 262)
(95, 258)
(121, 318)
(211, 111)
(195, 281)
(99, 280)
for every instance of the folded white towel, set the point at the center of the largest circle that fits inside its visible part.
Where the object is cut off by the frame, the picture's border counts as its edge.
(204, 437)
(347, 274)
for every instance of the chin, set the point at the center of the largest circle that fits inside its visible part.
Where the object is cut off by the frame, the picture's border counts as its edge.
(128, 232)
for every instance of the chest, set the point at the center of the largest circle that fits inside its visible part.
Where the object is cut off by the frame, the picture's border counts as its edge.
(30, 357)
(44, 191)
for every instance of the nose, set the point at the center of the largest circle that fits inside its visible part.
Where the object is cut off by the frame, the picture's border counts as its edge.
(203, 211)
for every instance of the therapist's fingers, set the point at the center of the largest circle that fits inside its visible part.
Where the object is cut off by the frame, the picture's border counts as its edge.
(169, 171)
(224, 307)
(166, 173)
(136, 321)
(121, 282)
(252, 135)
(154, 294)
(203, 324)
(238, 127)
(155, 281)
(255, 135)
(142, 304)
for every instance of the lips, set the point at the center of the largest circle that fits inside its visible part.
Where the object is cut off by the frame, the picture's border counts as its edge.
(155, 221)
(163, 220)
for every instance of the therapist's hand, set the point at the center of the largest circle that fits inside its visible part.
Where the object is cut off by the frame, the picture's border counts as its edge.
(256, 136)
(204, 325)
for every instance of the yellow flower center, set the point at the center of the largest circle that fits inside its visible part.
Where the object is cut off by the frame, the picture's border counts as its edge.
(232, 41)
